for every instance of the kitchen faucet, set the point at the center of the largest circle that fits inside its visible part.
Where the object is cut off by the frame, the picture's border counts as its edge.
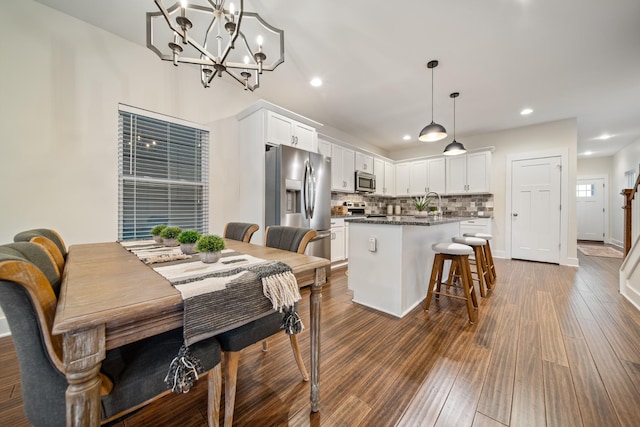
(439, 212)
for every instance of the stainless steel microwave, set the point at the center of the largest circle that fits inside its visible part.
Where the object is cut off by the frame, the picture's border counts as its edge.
(365, 182)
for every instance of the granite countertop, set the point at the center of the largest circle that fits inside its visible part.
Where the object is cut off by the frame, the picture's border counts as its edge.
(349, 216)
(407, 220)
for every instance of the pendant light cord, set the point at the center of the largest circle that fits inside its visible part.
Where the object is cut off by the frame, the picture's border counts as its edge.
(432, 95)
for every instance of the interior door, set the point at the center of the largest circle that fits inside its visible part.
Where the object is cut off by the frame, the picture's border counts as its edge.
(535, 209)
(590, 209)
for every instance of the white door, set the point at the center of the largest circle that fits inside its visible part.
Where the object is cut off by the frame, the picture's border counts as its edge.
(535, 209)
(590, 209)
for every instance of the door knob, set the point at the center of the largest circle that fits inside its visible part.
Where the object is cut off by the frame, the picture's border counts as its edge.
(515, 214)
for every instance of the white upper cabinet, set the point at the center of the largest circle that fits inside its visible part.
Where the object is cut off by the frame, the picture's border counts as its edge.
(436, 175)
(418, 177)
(324, 147)
(364, 162)
(342, 169)
(385, 173)
(469, 173)
(403, 173)
(282, 130)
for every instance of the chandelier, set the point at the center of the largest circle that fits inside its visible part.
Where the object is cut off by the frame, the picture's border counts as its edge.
(218, 40)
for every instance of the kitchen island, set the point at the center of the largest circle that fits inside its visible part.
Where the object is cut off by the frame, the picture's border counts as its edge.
(390, 259)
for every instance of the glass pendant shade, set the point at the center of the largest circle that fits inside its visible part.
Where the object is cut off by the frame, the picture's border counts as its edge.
(454, 148)
(432, 132)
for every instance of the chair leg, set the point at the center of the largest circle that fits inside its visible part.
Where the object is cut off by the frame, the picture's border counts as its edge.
(467, 285)
(435, 274)
(265, 346)
(296, 354)
(214, 381)
(230, 367)
(489, 259)
(480, 270)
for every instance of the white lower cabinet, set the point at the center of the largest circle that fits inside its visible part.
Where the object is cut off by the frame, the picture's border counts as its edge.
(475, 225)
(337, 240)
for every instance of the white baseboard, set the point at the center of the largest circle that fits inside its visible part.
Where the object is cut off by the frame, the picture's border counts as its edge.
(573, 262)
(617, 243)
(499, 254)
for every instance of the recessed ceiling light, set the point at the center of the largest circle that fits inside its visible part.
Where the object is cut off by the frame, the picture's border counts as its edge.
(406, 137)
(604, 136)
(316, 82)
(588, 153)
(526, 111)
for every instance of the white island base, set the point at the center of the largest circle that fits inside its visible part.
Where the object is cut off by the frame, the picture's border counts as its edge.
(394, 278)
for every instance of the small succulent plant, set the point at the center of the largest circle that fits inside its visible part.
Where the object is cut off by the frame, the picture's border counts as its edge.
(188, 236)
(155, 231)
(170, 232)
(210, 243)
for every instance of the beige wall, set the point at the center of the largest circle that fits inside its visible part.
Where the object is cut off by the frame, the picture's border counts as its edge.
(61, 85)
(556, 135)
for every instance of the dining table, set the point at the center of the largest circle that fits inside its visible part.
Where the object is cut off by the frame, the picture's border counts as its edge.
(110, 298)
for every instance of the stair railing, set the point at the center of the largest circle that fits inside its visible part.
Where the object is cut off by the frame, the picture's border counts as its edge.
(631, 215)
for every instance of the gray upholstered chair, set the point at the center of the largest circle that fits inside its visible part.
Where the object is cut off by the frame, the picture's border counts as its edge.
(292, 239)
(50, 239)
(241, 231)
(132, 375)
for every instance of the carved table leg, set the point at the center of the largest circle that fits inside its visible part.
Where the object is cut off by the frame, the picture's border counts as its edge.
(316, 305)
(83, 353)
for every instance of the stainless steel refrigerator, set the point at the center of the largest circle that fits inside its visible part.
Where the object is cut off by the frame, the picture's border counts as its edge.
(298, 194)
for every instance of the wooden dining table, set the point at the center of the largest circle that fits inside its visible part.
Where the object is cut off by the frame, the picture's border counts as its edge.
(110, 298)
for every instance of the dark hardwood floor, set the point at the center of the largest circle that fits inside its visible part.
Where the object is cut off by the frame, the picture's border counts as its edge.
(553, 346)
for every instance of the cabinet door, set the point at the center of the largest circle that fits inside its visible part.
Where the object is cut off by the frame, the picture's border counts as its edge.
(418, 178)
(279, 129)
(403, 171)
(378, 171)
(479, 172)
(364, 162)
(436, 175)
(389, 179)
(304, 137)
(348, 169)
(337, 158)
(337, 244)
(324, 148)
(456, 172)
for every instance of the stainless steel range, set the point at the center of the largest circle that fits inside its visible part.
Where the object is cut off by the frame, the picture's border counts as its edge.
(355, 208)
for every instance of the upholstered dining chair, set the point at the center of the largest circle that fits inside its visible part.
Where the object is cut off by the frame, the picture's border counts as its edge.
(241, 231)
(294, 239)
(132, 375)
(50, 239)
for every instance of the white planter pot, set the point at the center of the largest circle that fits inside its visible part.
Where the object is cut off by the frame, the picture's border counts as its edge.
(210, 257)
(158, 239)
(188, 248)
(170, 242)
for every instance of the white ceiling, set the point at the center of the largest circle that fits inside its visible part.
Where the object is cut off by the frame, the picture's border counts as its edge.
(563, 59)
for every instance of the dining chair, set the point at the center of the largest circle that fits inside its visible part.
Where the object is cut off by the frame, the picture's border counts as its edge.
(131, 375)
(293, 239)
(241, 231)
(50, 239)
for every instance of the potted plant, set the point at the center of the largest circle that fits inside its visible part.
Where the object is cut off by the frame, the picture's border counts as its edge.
(209, 247)
(421, 204)
(170, 236)
(155, 232)
(188, 239)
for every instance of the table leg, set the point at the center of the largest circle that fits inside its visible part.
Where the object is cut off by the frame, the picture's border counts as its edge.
(316, 305)
(83, 352)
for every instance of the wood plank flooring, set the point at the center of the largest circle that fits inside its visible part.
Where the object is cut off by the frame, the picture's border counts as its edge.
(553, 346)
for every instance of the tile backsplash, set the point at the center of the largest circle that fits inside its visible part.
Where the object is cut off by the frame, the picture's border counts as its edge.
(460, 205)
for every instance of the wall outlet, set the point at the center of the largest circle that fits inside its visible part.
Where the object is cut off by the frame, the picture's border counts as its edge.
(372, 244)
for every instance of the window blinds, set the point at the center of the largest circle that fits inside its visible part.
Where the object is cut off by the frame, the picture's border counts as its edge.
(162, 172)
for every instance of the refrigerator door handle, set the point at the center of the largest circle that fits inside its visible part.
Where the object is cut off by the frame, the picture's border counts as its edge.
(305, 189)
(312, 192)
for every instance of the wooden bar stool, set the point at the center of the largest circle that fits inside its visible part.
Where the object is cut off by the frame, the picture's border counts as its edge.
(458, 254)
(487, 254)
(482, 270)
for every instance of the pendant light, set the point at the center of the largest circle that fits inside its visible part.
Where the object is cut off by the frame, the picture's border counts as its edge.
(454, 148)
(433, 131)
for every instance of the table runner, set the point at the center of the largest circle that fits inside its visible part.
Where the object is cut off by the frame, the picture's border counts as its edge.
(219, 297)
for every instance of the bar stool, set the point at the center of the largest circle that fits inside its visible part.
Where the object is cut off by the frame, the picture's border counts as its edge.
(487, 254)
(482, 270)
(458, 254)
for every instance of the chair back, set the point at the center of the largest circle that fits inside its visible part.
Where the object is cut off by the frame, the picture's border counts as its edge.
(50, 239)
(294, 239)
(241, 231)
(28, 299)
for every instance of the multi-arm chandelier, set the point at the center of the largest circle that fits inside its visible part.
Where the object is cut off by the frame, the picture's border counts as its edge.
(204, 33)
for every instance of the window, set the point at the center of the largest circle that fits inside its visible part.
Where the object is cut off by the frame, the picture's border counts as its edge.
(162, 173)
(585, 190)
